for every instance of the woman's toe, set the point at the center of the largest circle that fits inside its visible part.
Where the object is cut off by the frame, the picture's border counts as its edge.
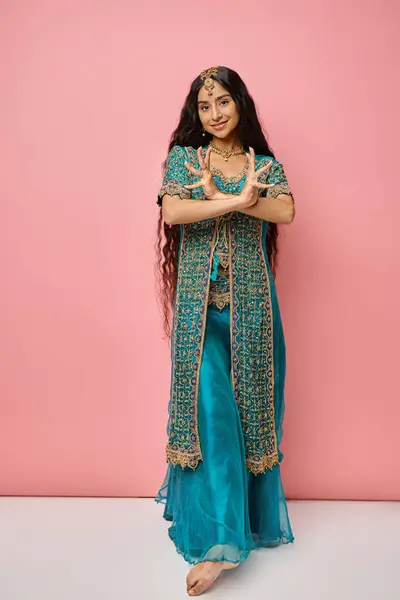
(199, 588)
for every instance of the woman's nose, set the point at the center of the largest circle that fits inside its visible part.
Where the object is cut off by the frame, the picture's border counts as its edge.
(215, 113)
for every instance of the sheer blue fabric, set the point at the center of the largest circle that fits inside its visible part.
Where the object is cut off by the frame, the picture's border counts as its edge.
(221, 511)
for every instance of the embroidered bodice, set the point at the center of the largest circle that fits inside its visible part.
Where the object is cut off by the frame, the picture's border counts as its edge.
(176, 174)
(219, 293)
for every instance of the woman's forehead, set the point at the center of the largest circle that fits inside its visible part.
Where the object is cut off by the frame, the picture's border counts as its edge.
(218, 91)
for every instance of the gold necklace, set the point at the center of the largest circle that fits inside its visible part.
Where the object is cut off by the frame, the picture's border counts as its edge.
(227, 153)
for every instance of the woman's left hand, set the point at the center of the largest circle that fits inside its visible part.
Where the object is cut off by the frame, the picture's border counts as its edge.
(206, 179)
(250, 188)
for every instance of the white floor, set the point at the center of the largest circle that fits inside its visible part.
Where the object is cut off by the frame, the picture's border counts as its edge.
(117, 549)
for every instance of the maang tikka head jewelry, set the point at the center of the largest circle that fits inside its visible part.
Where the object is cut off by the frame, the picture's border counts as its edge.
(208, 81)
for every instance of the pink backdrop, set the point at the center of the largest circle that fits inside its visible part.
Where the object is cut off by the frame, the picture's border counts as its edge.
(91, 92)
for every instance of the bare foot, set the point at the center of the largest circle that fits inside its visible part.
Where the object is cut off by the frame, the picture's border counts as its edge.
(202, 576)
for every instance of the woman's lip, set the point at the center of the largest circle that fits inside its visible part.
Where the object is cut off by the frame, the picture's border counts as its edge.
(220, 125)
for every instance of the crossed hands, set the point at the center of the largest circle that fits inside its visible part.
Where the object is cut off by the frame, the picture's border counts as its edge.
(249, 193)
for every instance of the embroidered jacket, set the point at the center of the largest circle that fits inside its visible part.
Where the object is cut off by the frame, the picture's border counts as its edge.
(224, 260)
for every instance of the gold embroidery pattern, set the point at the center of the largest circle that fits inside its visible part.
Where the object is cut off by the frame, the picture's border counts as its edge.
(252, 343)
(176, 175)
(220, 299)
(222, 245)
(219, 289)
(276, 175)
(172, 188)
(226, 179)
(281, 188)
(188, 335)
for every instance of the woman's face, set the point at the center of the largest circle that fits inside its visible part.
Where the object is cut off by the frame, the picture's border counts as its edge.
(218, 113)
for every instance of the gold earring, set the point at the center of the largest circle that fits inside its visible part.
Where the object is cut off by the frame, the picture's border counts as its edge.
(204, 132)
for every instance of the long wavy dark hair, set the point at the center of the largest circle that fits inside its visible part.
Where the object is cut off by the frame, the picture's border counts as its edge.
(189, 133)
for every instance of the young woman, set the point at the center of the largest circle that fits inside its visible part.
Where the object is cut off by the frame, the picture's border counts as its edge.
(222, 196)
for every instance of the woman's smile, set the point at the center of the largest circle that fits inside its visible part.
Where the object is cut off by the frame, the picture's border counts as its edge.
(219, 125)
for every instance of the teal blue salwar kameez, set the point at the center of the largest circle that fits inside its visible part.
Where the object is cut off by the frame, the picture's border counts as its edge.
(224, 504)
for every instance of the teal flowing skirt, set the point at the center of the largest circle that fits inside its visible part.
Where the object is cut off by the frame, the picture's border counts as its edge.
(220, 511)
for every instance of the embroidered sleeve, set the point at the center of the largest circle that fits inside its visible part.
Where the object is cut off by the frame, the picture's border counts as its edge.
(175, 176)
(276, 175)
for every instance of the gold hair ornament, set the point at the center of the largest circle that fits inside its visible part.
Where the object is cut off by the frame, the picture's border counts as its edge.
(207, 79)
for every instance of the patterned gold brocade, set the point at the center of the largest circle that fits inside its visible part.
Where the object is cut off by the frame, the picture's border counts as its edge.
(174, 189)
(220, 294)
(220, 288)
(243, 282)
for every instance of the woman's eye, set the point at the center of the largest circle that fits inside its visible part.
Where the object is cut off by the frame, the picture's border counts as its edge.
(205, 108)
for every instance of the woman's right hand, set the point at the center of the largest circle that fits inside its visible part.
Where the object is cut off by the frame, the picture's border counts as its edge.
(248, 196)
(206, 179)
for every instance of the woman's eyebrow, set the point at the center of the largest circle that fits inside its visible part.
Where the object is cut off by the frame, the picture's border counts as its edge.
(218, 98)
